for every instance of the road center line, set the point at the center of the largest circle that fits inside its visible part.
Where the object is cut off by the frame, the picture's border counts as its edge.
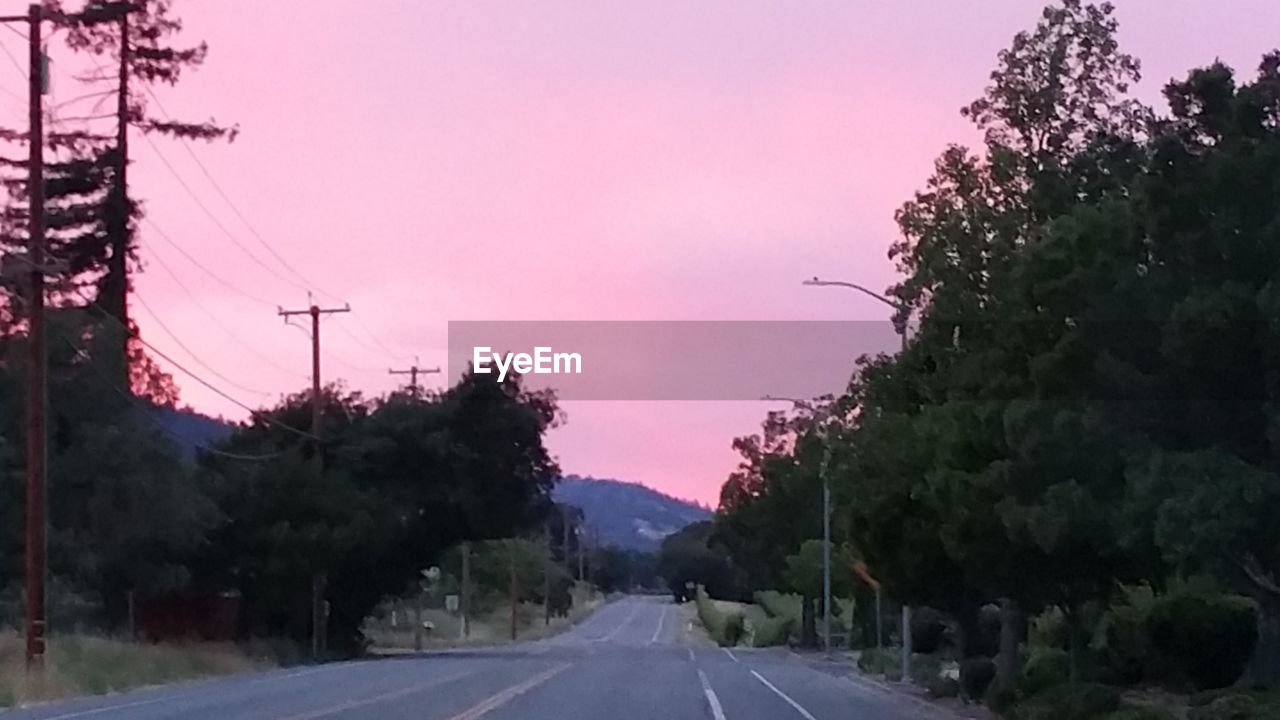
(393, 695)
(691, 657)
(634, 610)
(717, 712)
(729, 652)
(503, 697)
(109, 708)
(798, 707)
(661, 619)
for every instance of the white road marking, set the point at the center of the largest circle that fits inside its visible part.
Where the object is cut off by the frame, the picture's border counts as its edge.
(691, 657)
(484, 707)
(798, 707)
(717, 712)
(662, 617)
(729, 652)
(614, 633)
(354, 704)
(109, 708)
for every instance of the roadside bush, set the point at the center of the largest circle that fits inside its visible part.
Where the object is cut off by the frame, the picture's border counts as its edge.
(1208, 639)
(976, 675)
(925, 668)
(1136, 713)
(726, 629)
(771, 632)
(1227, 707)
(879, 661)
(1048, 629)
(1123, 641)
(1045, 667)
(928, 628)
(942, 687)
(1083, 701)
(778, 604)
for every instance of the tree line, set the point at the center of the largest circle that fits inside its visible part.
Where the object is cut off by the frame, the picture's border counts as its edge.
(1089, 397)
(404, 477)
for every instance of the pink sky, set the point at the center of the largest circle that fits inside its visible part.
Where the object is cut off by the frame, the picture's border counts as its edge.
(432, 161)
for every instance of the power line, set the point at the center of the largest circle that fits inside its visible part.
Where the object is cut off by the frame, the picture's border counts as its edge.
(253, 230)
(217, 187)
(217, 321)
(213, 388)
(172, 243)
(214, 218)
(173, 336)
(146, 412)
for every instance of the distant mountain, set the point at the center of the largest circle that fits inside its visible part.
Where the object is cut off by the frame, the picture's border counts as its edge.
(190, 430)
(628, 515)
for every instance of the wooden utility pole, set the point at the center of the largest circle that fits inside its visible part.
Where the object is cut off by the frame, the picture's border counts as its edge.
(546, 575)
(582, 541)
(37, 390)
(466, 590)
(413, 372)
(564, 540)
(319, 579)
(515, 595)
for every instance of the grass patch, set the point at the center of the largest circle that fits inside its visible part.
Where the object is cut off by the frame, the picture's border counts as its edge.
(90, 665)
(486, 628)
(723, 621)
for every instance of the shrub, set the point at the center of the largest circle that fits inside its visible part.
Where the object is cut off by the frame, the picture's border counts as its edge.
(1045, 667)
(771, 632)
(928, 628)
(778, 604)
(1227, 707)
(925, 668)
(879, 661)
(1135, 713)
(976, 675)
(1207, 638)
(726, 629)
(1082, 701)
(1048, 629)
(942, 687)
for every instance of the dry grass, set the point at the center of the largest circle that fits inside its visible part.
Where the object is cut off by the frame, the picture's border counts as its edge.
(489, 629)
(88, 665)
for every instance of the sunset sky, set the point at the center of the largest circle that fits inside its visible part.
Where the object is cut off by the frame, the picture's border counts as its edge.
(433, 161)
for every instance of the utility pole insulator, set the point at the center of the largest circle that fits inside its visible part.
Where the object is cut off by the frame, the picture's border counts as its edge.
(413, 372)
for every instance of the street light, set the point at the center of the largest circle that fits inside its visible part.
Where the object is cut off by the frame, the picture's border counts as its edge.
(826, 516)
(895, 304)
(905, 309)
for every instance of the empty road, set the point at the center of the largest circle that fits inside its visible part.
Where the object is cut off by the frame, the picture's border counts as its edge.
(629, 661)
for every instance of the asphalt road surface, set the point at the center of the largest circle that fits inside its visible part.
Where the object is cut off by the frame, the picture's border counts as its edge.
(631, 660)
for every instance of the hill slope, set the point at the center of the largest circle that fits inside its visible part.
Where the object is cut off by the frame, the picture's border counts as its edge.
(628, 515)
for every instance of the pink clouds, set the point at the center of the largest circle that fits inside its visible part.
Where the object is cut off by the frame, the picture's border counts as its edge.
(564, 160)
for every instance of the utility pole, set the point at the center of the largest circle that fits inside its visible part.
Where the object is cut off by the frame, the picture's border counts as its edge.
(546, 575)
(564, 540)
(319, 579)
(826, 544)
(466, 590)
(515, 594)
(581, 542)
(413, 372)
(37, 389)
